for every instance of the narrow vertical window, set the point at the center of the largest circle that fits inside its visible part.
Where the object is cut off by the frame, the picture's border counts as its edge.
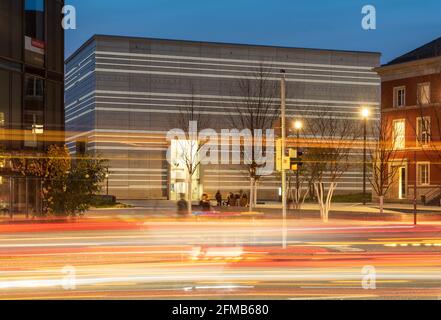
(34, 110)
(424, 174)
(423, 93)
(423, 131)
(399, 97)
(399, 139)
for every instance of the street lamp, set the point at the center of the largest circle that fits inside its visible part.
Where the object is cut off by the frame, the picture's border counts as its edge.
(365, 113)
(298, 125)
(283, 123)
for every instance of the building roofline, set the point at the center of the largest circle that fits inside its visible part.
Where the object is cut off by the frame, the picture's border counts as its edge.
(408, 64)
(80, 48)
(407, 57)
(97, 36)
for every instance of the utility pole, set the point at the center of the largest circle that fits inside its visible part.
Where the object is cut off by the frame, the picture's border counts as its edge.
(364, 160)
(27, 196)
(11, 196)
(415, 220)
(282, 114)
(365, 112)
(298, 168)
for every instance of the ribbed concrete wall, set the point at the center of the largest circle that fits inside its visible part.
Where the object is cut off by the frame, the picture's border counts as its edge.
(126, 93)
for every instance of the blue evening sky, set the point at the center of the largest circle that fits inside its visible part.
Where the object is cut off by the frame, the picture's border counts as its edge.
(402, 25)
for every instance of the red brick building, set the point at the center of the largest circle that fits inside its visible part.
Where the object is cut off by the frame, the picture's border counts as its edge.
(411, 108)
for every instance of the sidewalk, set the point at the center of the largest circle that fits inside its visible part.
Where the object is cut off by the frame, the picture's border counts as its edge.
(358, 211)
(272, 210)
(370, 208)
(160, 209)
(360, 208)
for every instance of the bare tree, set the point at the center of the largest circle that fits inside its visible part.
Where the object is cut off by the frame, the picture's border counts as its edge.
(299, 189)
(191, 120)
(255, 109)
(332, 142)
(385, 163)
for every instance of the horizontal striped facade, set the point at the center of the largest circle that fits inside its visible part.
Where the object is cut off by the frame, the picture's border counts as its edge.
(124, 94)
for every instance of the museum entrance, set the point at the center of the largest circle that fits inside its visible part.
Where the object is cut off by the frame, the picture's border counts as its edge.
(184, 155)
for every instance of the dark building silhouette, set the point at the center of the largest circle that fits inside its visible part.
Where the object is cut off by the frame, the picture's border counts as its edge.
(31, 90)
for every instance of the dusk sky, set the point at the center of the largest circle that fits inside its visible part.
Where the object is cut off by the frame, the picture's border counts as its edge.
(402, 25)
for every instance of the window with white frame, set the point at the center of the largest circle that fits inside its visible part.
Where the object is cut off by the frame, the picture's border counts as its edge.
(424, 173)
(423, 93)
(399, 139)
(423, 131)
(399, 97)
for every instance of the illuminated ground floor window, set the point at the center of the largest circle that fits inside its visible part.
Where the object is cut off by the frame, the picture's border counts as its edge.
(183, 156)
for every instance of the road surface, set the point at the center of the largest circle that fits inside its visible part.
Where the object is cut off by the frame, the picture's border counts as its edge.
(241, 258)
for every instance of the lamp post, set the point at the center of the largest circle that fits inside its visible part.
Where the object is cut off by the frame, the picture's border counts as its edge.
(298, 125)
(283, 120)
(415, 212)
(365, 112)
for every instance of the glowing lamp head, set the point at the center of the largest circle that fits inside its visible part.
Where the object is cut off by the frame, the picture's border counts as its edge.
(365, 113)
(298, 125)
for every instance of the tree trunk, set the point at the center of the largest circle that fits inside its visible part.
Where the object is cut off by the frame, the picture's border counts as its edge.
(291, 196)
(324, 203)
(298, 199)
(251, 200)
(319, 193)
(331, 190)
(381, 204)
(303, 199)
(255, 194)
(190, 197)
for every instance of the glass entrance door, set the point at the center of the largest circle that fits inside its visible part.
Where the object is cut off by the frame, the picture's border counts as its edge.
(182, 154)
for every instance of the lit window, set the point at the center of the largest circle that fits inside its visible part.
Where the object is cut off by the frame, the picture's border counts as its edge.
(399, 97)
(33, 114)
(31, 135)
(37, 129)
(423, 130)
(2, 119)
(424, 93)
(30, 139)
(424, 173)
(399, 139)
